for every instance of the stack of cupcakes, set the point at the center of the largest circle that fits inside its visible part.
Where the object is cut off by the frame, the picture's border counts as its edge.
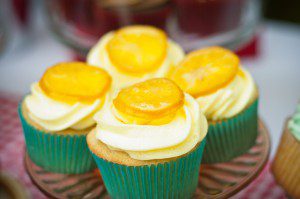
(149, 140)
(146, 129)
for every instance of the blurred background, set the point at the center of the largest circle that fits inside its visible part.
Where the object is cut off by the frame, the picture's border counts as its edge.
(265, 33)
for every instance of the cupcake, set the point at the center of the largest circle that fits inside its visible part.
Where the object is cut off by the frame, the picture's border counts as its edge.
(228, 97)
(286, 164)
(135, 53)
(149, 141)
(58, 113)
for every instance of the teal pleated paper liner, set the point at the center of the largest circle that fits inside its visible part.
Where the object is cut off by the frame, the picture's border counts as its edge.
(232, 137)
(175, 179)
(57, 153)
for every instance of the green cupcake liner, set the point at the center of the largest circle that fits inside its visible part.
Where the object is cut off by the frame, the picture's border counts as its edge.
(175, 179)
(67, 154)
(232, 137)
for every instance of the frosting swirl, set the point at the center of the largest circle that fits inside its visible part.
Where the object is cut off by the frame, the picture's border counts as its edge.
(99, 56)
(231, 99)
(294, 124)
(148, 142)
(54, 115)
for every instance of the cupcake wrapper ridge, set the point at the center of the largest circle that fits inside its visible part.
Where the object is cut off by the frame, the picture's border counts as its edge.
(57, 153)
(232, 137)
(175, 179)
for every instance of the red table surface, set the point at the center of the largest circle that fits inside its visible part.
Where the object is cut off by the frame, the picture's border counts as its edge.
(12, 151)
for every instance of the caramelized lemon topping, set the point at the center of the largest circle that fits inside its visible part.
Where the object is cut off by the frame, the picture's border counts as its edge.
(204, 71)
(75, 82)
(155, 99)
(137, 49)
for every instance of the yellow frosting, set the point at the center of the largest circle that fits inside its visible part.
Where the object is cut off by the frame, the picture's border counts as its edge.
(55, 115)
(153, 141)
(231, 99)
(98, 56)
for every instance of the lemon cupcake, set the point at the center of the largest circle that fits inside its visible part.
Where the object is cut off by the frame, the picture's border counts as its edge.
(287, 159)
(58, 113)
(135, 53)
(228, 97)
(149, 141)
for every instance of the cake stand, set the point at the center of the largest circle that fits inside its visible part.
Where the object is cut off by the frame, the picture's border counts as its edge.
(220, 180)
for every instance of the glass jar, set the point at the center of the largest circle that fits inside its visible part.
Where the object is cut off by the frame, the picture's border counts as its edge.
(192, 23)
(230, 23)
(80, 23)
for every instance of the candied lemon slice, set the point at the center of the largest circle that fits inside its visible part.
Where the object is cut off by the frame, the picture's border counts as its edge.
(75, 82)
(206, 70)
(137, 49)
(151, 99)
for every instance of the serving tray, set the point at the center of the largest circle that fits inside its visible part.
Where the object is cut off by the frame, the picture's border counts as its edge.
(220, 180)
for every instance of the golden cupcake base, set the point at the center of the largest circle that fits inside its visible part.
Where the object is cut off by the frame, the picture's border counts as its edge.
(285, 166)
(220, 180)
